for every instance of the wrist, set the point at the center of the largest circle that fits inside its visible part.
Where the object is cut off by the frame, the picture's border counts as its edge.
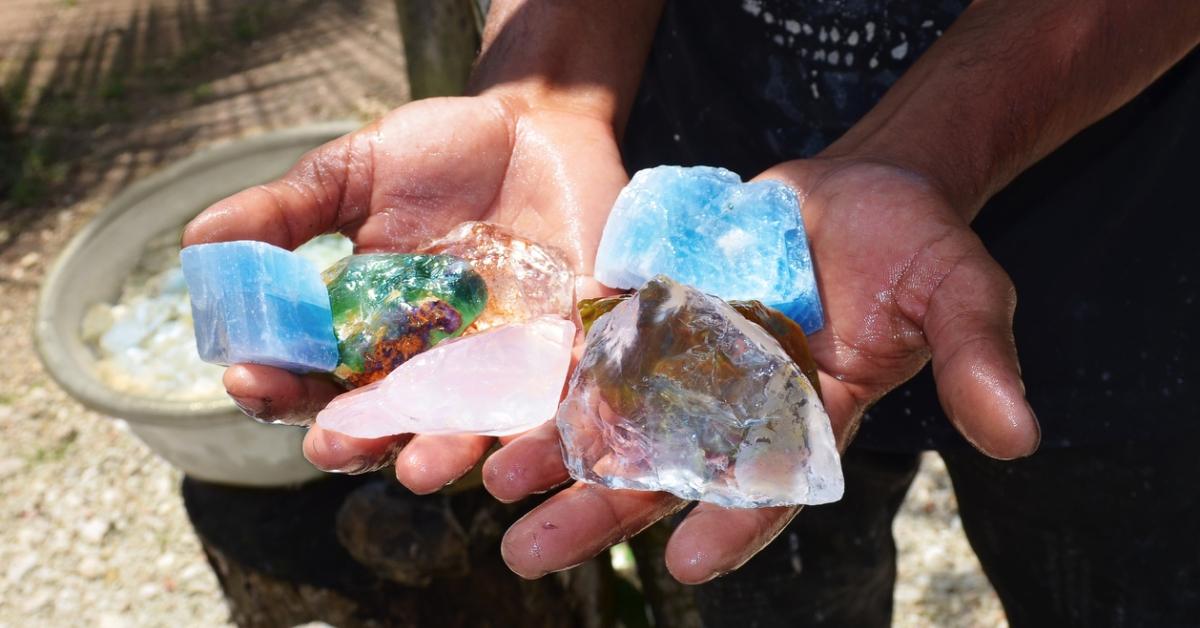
(531, 95)
(962, 180)
(573, 57)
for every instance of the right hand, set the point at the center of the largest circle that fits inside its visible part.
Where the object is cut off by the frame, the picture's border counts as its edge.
(548, 174)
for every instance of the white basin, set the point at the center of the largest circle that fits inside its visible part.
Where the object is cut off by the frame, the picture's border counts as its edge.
(209, 440)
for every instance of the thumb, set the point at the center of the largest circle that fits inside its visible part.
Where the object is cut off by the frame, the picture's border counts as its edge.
(318, 195)
(968, 325)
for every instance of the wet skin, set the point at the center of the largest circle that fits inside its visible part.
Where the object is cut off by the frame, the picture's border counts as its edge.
(902, 277)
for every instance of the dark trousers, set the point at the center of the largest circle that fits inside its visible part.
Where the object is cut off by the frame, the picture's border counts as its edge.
(1068, 537)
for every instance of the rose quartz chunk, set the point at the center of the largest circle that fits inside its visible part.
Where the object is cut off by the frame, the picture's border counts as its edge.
(498, 382)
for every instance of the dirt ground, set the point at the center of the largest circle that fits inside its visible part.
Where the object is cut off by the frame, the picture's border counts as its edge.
(98, 94)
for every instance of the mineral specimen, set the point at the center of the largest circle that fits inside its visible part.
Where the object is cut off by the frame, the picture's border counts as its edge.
(783, 329)
(678, 392)
(524, 279)
(592, 309)
(502, 381)
(704, 227)
(389, 307)
(260, 304)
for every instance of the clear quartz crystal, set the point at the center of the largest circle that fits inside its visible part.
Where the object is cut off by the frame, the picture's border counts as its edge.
(678, 392)
(524, 279)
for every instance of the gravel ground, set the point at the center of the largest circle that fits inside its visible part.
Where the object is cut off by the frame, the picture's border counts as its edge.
(939, 581)
(92, 526)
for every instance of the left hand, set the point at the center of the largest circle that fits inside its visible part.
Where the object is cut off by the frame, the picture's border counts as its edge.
(904, 280)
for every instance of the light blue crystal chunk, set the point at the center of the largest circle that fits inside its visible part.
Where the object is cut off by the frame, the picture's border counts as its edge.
(703, 227)
(259, 304)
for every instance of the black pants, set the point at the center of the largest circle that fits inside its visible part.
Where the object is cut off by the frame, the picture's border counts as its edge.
(1068, 537)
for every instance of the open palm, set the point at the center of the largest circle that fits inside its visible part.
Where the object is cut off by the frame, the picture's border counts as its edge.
(903, 278)
(413, 175)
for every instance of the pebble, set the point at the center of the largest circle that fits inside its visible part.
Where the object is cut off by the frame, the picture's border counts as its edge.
(10, 467)
(94, 530)
(91, 568)
(113, 620)
(20, 566)
(165, 561)
(35, 602)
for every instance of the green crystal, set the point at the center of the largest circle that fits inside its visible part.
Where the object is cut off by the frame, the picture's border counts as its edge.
(388, 307)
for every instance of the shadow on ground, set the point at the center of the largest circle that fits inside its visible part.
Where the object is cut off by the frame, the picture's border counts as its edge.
(99, 95)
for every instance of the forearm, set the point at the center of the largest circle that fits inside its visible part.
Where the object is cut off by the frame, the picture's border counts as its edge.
(1011, 80)
(581, 57)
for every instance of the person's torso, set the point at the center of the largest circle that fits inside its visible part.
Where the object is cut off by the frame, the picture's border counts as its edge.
(1099, 238)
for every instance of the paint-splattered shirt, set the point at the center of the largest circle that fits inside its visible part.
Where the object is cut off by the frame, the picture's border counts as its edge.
(788, 75)
(1099, 238)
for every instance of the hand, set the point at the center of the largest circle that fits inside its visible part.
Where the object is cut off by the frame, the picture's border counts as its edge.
(903, 278)
(550, 175)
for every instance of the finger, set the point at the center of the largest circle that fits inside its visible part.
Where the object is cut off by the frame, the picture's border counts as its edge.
(969, 328)
(272, 394)
(712, 541)
(438, 162)
(326, 190)
(430, 462)
(586, 287)
(531, 463)
(579, 523)
(338, 453)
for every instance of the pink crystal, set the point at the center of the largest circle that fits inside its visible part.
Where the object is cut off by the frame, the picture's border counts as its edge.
(502, 381)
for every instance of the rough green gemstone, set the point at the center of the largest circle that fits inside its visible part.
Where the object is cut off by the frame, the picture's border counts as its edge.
(388, 307)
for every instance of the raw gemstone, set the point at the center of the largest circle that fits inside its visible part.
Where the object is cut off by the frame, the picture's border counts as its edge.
(592, 309)
(388, 307)
(678, 392)
(525, 280)
(502, 381)
(259, 304)
(703, 227)
(783, 329)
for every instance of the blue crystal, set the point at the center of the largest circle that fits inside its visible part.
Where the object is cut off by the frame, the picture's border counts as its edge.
(259, 304)
(703, 227)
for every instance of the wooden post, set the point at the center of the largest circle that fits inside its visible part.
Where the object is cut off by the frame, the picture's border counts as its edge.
(441, 39)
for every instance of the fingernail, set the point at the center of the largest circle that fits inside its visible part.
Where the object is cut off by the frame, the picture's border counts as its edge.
(369, 464)
(1037, 428)
(325, 445)
(252, 407)
(353, 466)
(713, 576)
